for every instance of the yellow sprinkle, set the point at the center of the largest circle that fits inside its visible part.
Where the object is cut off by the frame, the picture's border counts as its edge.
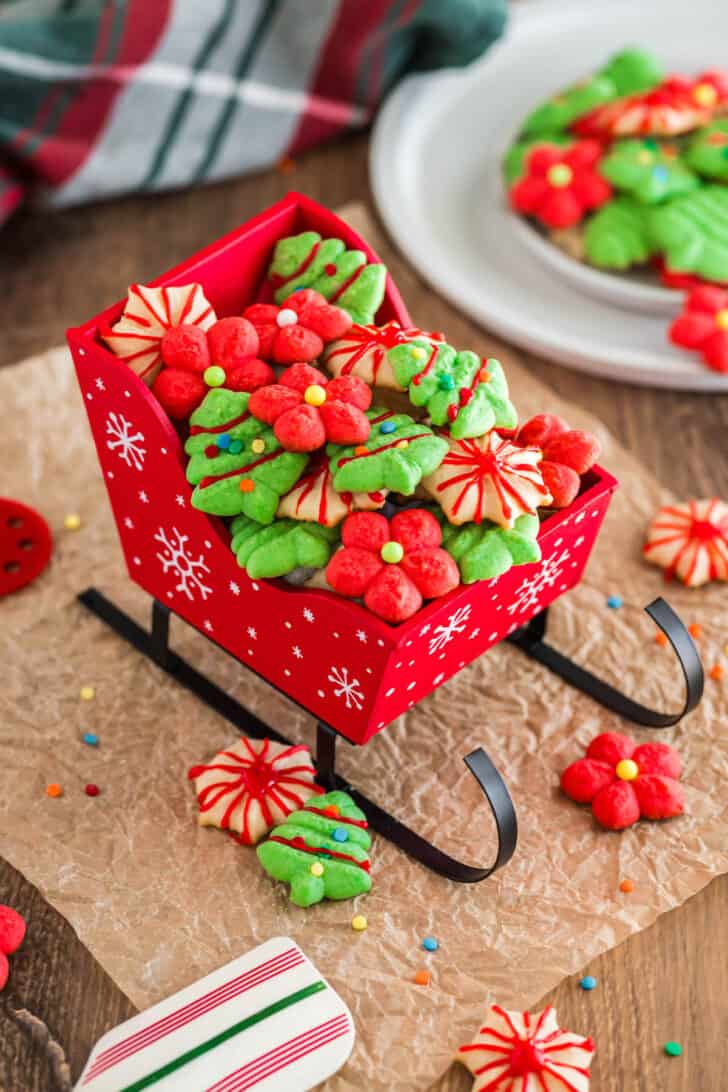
(359, 923)
(258, 446)
(402, 444)
(72, 522)
(418, 354)
(87, 693)
(317, 869)
(315, 395)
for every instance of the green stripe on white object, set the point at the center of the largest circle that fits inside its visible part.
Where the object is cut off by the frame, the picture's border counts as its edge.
(268, 1020)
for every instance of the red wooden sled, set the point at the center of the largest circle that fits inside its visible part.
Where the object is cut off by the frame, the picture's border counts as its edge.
(354, 673)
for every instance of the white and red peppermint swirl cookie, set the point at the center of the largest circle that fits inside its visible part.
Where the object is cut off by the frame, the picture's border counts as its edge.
(314, 499)
(690, 541)
(148, 313)
(252, 786)
(363, 352)
(488, 478)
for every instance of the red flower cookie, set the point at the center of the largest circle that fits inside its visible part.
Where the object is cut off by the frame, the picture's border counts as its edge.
(568, 453)
(299, 329)
(561, 186)
(624, 782)
(306, 410)
(703, 326)
(393, 565)
(684, 282)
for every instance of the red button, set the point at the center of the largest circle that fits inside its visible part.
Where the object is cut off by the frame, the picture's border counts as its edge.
(25, 545)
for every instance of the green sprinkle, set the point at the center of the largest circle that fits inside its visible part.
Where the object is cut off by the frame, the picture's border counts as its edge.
(673, 1049)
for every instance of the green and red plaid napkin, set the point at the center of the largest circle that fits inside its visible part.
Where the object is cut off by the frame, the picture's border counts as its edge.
(99, 97)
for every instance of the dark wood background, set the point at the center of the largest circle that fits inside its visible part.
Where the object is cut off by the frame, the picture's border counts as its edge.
(668, 982)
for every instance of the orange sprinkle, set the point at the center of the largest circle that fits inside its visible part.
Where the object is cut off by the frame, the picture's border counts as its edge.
(695, 630)
(361, 449)
(422, 978)
(717, 672)
(332, 810)
(661, 638)
(286, 165)
(626, 886)
(247, 485)
(54, 790)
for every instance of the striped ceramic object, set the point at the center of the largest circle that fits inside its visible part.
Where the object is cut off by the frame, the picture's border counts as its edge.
(267, 1021)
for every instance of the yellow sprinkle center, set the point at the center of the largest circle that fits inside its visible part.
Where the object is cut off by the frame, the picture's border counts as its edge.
(402, 444)
(359, 923)
(72, 522)
(315, 395)
(317, 869)
(258, 446)
(721, 319)
(705, 94)
(559, 175)
(418, 354)
(87, 693)
(626, 769)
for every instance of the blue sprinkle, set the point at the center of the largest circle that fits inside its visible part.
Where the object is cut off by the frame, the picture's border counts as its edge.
(91, 739)
(300, 288)
(223, 440)
(615, 602)
(660, 174)
(588, 982)
(235, 447)
(430, 944)
(387, 426)
(340, 835)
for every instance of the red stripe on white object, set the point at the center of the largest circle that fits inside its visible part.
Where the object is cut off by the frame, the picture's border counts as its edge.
(145, 1037)
(284, 1055)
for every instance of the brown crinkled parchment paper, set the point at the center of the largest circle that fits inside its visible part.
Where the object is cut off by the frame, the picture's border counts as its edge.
(161, 901)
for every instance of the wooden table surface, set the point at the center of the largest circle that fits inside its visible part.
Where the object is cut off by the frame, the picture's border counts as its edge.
(668, 982)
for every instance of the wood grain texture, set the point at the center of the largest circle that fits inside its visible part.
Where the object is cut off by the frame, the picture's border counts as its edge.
(668, 982)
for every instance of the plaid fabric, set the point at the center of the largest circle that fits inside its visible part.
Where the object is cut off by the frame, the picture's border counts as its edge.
(99, 97)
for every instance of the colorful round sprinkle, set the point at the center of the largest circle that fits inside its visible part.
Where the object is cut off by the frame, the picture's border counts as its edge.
(626, 886)
(386, 427)
(588, 982)
(315, 395)
(359, 923)
(446, 383)
(430, 944)
(402, 444)
(661, 639)
(317, 869)
(258, 446)
(92, 790)
(91, 738)
(72, 522)
(332, 810)
(54, 789)
(717, 672)
(247, 485)
(214, 376)
(422, 978)
(224, 440)
(672, 1049)
(626, 769)
(615, 602)
(340, 835)
(87, 693)
(236, 446)
(361, 449)
(392, 552)
(695, 629)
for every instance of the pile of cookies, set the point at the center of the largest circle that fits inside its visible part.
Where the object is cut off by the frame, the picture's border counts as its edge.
(376, 461)
(628, 169)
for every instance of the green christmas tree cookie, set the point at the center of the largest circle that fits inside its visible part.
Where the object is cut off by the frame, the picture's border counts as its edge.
(397, 455)
(236, 463)
(627, 73)
(648, 170)
(617, 237)
(515, 159)
(321, 851)
(460, 390)
(484, 551)
(692, 232)
(281, 547)
(344, 277)
(707, 152)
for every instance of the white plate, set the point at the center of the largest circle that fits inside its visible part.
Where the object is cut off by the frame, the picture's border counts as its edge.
(435, 166)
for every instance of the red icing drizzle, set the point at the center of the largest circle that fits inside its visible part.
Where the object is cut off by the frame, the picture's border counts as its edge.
(278, 281)
(241, 470)
(361, 823)
(258, 779)
(195, 430)
(346, 285)
(427, 368)
(479, 466)
(377, 340)
(384, 447)
(318, 851)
